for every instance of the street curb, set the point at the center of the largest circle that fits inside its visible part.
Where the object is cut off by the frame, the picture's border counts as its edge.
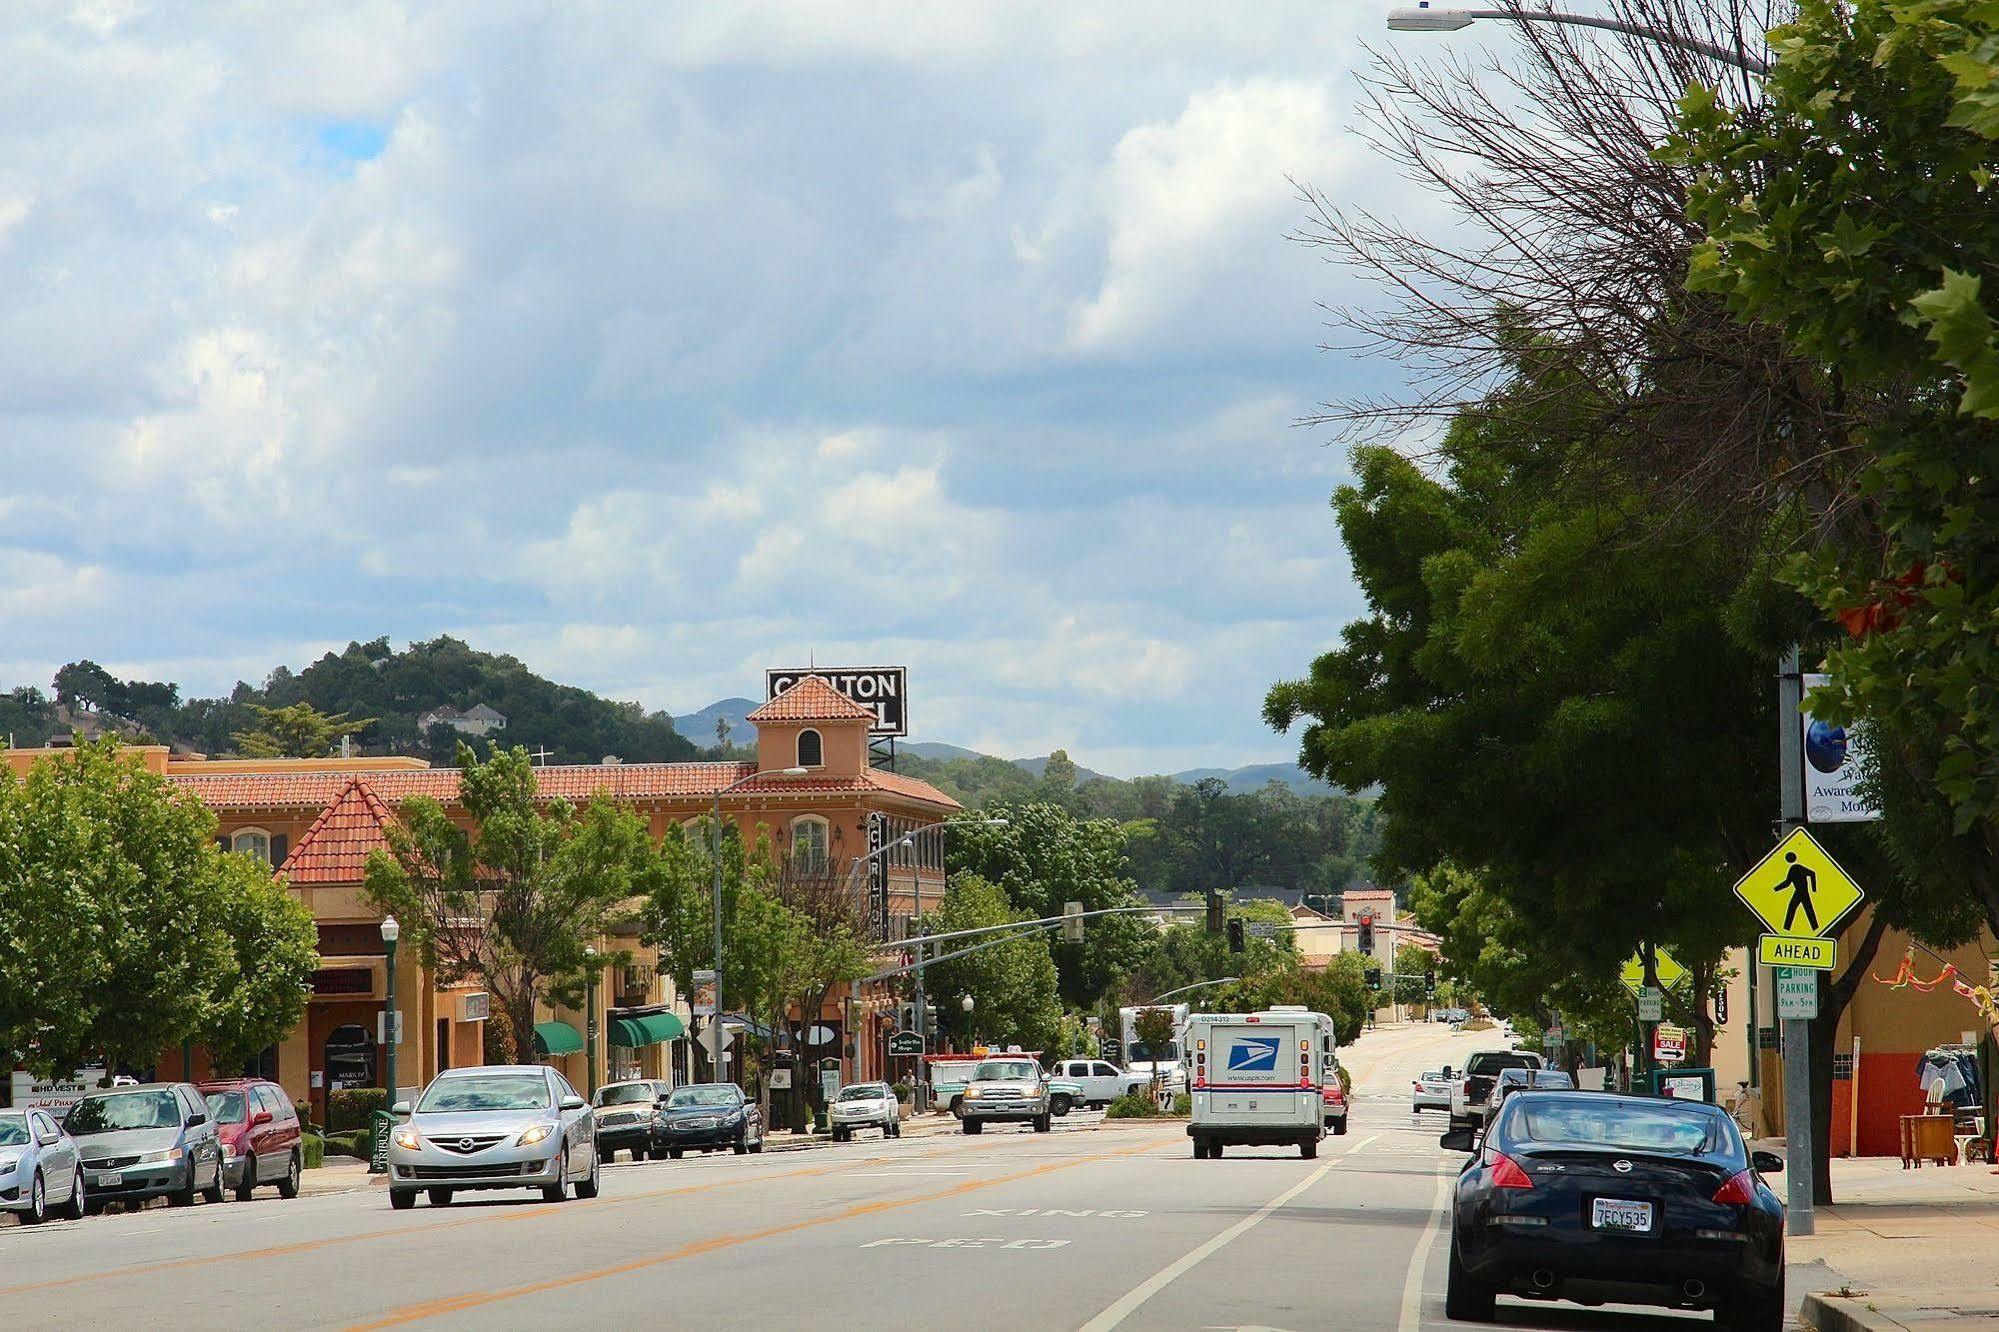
(1829, 1313)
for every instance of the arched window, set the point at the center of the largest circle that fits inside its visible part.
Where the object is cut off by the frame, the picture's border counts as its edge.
(811, 749)
(254, 840)
(808, 843)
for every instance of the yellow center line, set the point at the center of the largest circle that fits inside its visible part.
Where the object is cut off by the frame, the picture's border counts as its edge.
(398, 1232)
(475, 1299)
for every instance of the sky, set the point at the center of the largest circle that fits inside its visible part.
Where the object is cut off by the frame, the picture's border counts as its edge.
(657, 344)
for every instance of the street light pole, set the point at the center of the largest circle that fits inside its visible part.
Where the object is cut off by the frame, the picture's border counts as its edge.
(391, 931)
(1427, 17)
(591, 961)
(715, 1022)
(1197, 985)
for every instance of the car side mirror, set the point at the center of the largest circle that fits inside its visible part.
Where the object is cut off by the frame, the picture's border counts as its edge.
(261, 1118)
(195, 1119)
(401, 1109)
(49, 1139)
(572, 1103)
(1768, 1163)
(1456, 1140)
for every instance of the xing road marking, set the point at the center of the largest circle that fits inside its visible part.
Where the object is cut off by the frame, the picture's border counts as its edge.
(1159, 1280)
(1114, 1212)
(989, 1241)
(1412, 1284)
(472, 1300)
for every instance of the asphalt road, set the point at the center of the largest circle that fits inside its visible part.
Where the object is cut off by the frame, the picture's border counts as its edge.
(1096, 1226)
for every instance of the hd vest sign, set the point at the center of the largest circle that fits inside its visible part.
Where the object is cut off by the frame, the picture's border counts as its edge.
(882, 690)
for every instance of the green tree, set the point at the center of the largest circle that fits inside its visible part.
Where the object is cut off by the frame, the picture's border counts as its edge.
(297, 731)
(1412, 963)
(542, 880)
(260, 995)
(1012, 986)
(1153, 1028)
(1044, 857)
(120, 920)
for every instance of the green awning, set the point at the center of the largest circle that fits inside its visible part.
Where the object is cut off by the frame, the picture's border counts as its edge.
(646, 1029)
(556, 1038)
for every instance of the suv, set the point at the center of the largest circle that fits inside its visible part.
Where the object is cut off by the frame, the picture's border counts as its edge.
(1469, 1093)
(147, 1141)
(258, 1127)
(628, 1118)
(1006, 1090)
(865, 1105)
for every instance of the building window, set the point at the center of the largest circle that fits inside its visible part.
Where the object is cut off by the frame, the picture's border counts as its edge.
(811, 750)
(253, 840)
(808, 843)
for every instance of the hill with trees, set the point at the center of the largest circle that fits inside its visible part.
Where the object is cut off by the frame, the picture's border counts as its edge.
(367, 681)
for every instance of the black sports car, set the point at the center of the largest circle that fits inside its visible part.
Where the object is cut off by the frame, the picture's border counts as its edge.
(1604, 1199)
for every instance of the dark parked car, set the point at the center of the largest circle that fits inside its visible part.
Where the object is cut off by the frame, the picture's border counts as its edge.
(1525, 1079)
(259, 1131)
(147, 1141)
(710, 1117)
(1616, 1199)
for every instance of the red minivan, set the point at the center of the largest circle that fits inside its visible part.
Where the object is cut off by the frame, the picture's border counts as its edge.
(260, 1135)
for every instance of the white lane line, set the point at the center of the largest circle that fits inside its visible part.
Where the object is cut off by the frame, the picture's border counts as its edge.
(901, 1174)
(1412, 1284)
(1362, 1143)
(1158, 1281)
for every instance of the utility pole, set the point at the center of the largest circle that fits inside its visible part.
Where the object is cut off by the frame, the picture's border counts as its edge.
(1798, 1162)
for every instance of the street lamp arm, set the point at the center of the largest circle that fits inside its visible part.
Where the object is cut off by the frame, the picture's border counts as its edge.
(1197, 985)
(1425, 19)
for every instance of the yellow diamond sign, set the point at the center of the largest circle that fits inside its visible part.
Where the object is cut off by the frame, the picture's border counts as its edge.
(1799, 890)
(1669, 970)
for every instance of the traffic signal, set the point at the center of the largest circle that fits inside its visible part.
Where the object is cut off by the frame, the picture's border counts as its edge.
(1367, 934)
(1214, 912)
(1374, 978)
(1429, 982)
(1235, 936)
(1072, 922)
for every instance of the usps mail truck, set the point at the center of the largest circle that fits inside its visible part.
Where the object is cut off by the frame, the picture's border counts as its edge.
(1258, 1078)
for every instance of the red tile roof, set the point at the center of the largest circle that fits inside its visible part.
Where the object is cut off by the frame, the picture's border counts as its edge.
(335, 848)
(811, 699)
(573, 782)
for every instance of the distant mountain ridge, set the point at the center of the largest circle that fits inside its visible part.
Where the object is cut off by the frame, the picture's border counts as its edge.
(699, 727)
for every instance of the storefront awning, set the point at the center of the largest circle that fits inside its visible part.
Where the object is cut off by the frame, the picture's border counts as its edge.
(646, 1029)
(556, 1038)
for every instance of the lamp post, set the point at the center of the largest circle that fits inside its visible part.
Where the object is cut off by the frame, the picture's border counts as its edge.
(592, 962)
(391, 931)
(1427, 17)
(1197, 985)
(715, 1023)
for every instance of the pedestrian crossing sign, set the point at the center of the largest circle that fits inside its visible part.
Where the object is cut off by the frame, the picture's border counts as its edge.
(1798, 890)
(1664, 964)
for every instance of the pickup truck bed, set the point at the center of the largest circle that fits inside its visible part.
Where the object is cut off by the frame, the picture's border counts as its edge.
(1469, 1096)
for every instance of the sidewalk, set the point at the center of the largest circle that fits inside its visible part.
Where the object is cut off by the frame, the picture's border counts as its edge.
(1915, 1248)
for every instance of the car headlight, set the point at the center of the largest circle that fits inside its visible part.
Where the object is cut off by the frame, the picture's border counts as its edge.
(534, 1134)
(161, 1158)
(407, 1138)
(971, 1093)
(8, 1160)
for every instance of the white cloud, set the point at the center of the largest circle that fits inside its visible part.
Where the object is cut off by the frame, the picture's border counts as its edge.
(1185, 199)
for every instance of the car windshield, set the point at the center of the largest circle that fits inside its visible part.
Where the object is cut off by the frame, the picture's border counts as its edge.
(1619, 1125)
(13, 1130)
(225, 1107)
(1494, 1063)
(126, 1110)
(1433, 1075)
(1554, 1080)
(489, 1091)
(712, 1097)
(1163, 1053)
(1005, 1070)
(865, 1091)
(624, 1094)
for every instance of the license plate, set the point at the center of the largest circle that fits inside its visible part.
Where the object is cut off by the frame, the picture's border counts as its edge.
(109, 1179)
(1618, 1214)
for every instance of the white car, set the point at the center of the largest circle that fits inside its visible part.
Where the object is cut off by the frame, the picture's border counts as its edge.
(494, 1127)
(1102, 1082)
(865, 1105)
(1430, 1091)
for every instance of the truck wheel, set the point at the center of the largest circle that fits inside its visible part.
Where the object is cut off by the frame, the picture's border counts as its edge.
(973, 1126)
(1043, 1123)
(1308, 1150)
(1340, 1125)
(1058, 1105)
(958, 1106)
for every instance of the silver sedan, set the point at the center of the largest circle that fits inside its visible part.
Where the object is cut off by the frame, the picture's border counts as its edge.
(499, 1127)
(38, 1167)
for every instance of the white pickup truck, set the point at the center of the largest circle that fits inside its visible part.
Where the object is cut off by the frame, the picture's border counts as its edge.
(1470, 1092)
(1102, 1082)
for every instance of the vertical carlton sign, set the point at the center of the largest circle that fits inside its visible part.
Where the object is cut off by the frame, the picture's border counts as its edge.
(878, 874)
(882, 690)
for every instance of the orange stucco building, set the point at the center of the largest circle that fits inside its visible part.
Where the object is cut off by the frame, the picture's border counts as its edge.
(317, 820)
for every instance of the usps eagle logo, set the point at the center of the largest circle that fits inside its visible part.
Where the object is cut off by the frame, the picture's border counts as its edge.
(1255, 1054)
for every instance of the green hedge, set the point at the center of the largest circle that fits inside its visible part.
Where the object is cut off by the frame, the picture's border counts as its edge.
(1133, 1105)
(358, 1143)
(315, 1151)
(353, 1108)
